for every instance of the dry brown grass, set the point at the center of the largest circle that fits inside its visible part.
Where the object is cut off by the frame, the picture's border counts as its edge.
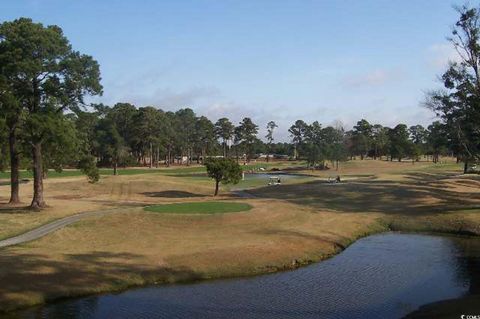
(289, 225)
(423, 200)
(68, 196)
(378, 167)
(133, 248)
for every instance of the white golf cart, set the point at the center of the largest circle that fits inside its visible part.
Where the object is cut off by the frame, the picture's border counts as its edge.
(274, 180)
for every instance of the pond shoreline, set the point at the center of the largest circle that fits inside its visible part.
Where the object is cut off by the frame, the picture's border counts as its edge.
(380, 228)
(418, 313)
(253, 272)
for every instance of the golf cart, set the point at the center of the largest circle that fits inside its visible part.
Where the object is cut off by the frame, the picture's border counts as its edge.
(274, 180)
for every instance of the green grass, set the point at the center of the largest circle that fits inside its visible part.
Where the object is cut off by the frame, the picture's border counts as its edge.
(183, 170)
(199, 208)
(134, 171)
(76, 172)
(105, 171)
(201, 169)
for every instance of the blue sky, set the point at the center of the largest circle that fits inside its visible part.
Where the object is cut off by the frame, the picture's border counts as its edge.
(337, 60)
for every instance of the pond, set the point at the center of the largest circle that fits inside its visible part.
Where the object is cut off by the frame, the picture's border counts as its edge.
(267, 176)
(253, 180)
(381, 276)
(254, 176)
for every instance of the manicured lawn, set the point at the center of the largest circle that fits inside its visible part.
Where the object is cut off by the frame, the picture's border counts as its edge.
(200, 208)
(76, 172)
(177, 170)
(121, 171)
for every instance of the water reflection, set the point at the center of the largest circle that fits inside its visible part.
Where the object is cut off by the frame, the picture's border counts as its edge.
(469, 262)
(382, 276)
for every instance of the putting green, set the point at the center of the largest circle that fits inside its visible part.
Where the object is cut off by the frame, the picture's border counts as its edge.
(199, 208)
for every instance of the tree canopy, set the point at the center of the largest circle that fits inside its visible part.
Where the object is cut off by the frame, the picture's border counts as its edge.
(224, 170)
(46, 77)
(458, 103)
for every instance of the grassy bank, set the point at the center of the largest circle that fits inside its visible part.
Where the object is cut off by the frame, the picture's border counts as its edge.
(199, 208)
(129, 249)
(287, 226)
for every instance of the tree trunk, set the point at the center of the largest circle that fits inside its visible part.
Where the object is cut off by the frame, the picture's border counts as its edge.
(169, 156)
(14, 164)
(216, 187)
(337, 165)
(151, 155)
(465, 167)
(224, 149)
(115, 168)
(37, 202)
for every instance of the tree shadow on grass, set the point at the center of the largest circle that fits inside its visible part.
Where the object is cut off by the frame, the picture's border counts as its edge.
(172, 194)
(7, 182)
(428, 177)
(27, 277)
(415, 194)
(296, 235)
(6, 208)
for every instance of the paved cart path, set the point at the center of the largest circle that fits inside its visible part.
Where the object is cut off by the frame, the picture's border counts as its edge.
(55, 225)
(62, 222)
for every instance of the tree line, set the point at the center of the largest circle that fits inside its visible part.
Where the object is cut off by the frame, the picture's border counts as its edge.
(333, 144)
(124, 135)
(46, 124)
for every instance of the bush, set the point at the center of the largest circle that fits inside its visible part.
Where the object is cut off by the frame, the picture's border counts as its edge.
(88, 166)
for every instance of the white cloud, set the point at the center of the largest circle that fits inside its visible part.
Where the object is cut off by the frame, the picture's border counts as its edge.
(440, 54)
(210, 102)
(373, 78)
(233, 111)
(167, 99)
